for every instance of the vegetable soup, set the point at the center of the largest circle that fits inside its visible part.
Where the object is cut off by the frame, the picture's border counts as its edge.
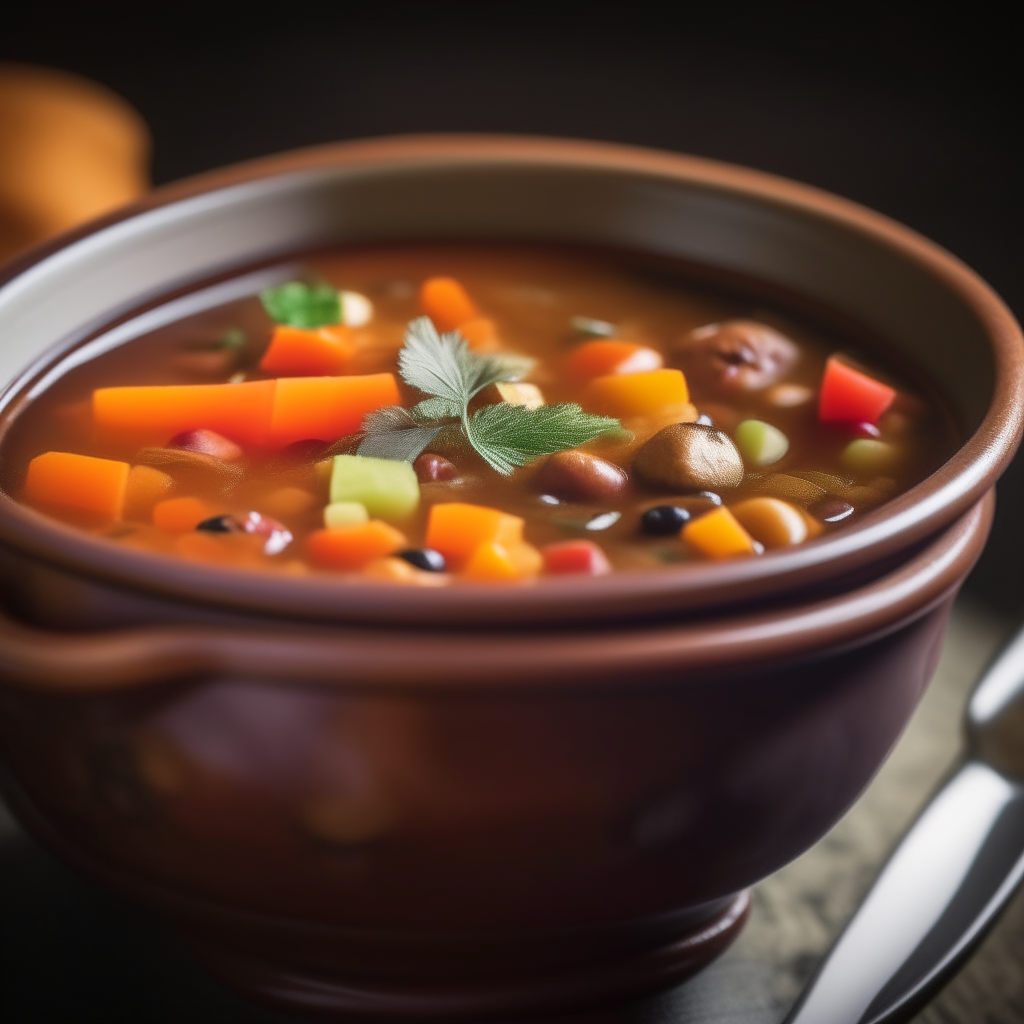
(426, 414)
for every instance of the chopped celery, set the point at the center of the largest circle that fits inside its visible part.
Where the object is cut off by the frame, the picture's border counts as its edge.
(866, 457)
(345, 513)
(386, 488)
(760, 443)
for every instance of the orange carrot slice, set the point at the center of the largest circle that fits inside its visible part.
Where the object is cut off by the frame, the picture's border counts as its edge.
(445, 301)
(457, 529)
(79, 482)
(353, 547)
(180, 515)
(296, 352)
(637, 394)
(611, 356)
(480, 334)
(718, 535)
(238, 411)
(326, 408)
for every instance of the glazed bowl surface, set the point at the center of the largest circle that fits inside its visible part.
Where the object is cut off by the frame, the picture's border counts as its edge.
(477, 801)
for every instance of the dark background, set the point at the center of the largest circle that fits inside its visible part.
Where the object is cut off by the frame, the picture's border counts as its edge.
(917, 116)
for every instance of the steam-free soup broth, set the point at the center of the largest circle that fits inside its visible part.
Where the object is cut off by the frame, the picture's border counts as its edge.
(431, 414)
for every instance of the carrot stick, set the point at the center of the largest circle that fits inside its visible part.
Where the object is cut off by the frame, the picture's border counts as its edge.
(78, 481)
(445, 301)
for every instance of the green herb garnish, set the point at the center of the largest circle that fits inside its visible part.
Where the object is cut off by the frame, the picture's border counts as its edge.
(504, 435)
(299, 304)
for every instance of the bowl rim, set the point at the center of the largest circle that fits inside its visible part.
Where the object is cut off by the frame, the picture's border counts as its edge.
(481, 660)
(882, 533)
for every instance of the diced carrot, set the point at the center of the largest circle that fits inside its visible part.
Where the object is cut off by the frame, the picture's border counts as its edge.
(146, 486)
(238, 411)
(718, 535)
(398, 570)
(849, 396)
(637, 394)
(491, 563)
(480, 334)
(326, 408)
(445, 301)
(611, 356)
(353, 547)
(308, 353)
(457, 529)
(575, 556)
(180, 515)
(78, 481)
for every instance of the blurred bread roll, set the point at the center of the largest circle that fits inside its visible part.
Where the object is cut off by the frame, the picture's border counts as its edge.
(70, 150)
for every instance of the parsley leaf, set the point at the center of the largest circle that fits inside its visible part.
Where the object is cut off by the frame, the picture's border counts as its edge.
(507, 435)
(299, 304)
(442, 364)
(393, 433)
(504, 435)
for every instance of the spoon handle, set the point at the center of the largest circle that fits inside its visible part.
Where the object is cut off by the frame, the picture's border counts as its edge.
(941, 889)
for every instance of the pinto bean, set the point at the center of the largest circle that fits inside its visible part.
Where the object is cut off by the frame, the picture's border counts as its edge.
(577, 476)
(689, 456)
(431, 468)
(734, 356)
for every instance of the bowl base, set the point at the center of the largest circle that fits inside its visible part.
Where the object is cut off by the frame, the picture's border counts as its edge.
(511, 995)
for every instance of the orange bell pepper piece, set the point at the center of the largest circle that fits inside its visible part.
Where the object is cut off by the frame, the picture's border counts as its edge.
(717, 534)
(637, 394)
(457, 529)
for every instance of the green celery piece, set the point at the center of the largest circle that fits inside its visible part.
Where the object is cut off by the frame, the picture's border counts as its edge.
(760, 443)
(387, 488)
(866, 457)
(299, 304)
(345, 513)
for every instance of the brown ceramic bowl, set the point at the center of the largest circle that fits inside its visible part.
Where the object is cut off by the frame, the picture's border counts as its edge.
(478, 801)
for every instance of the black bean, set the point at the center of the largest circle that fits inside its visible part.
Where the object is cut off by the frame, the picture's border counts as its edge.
(220, 524)
(664, 520)
(830, 510)
(426, 559)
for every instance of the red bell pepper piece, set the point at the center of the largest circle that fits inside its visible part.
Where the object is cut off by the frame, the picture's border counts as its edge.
(849, 396)
(575, 556)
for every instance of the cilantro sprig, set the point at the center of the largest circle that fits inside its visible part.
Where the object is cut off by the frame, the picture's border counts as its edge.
(504, 435)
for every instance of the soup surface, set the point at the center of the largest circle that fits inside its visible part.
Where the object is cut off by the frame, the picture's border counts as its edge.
(431, 413)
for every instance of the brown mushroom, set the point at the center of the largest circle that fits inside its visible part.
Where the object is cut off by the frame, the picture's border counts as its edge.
(734, 356)
(689, 457)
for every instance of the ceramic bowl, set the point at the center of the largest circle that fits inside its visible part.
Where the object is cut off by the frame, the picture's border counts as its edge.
(481, 801)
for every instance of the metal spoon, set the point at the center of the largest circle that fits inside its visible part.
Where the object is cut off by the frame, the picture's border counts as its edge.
(948, 879)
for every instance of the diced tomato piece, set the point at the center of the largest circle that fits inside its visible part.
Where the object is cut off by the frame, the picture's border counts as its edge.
(575, 556)
(611, 356)
(849, 396)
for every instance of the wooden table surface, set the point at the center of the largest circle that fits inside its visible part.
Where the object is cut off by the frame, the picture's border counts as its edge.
(73, 952)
